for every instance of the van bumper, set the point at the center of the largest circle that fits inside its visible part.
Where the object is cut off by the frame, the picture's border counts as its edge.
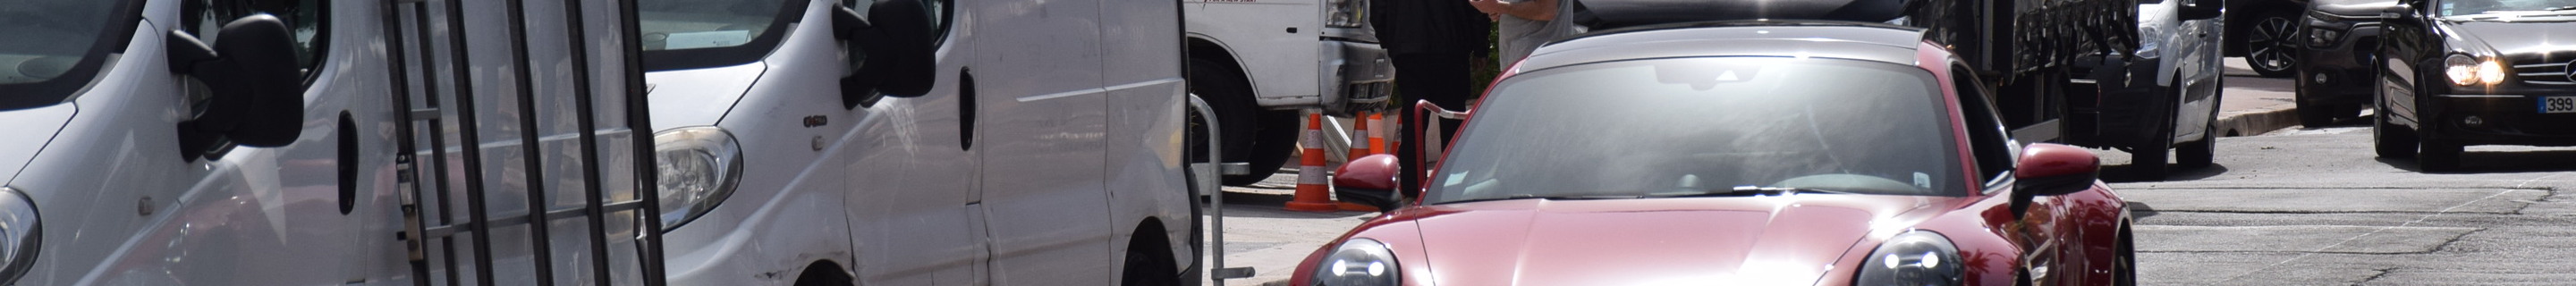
(1355, 76)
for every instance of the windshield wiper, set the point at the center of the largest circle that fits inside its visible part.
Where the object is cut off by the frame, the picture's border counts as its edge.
(1757, 191)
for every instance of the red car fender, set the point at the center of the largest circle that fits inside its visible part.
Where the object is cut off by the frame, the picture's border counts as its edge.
(1395, 229)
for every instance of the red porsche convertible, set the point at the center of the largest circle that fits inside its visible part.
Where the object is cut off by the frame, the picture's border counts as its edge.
(1736, 153)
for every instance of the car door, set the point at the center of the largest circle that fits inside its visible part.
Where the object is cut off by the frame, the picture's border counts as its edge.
(233, 214)
(1041, 110)
(1994, 154)
(912, 173)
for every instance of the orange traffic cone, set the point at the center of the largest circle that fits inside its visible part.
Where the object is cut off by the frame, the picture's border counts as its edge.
(1376, 138)
(1313, 194)
(1359, 140)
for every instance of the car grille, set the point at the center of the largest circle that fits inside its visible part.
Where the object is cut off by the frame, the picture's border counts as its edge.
(2542, 73)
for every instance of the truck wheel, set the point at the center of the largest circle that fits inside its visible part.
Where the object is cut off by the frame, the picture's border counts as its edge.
(1224, 90)
(2272, 44)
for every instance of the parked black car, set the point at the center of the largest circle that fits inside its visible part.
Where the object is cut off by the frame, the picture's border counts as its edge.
(2266, 33)
(2335, 67)
(2475, 72)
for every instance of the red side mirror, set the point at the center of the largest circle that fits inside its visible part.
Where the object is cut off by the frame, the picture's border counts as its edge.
(1368, 180)
(2051, 169)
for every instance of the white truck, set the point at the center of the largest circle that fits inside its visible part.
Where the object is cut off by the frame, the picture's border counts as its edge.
(1004, 142)
(1260, 62)
(320, 142)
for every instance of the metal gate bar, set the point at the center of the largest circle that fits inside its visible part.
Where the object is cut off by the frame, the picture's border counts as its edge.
(592, 210)
(540, 244)
(469, 140)
(407, 182)
(639, 115)
(437, 146)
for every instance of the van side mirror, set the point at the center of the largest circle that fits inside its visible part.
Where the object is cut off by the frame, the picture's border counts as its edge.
(257, 96)
(2050, 169)
(890, 49)
(1370, 181)
(2403, 10)
(2202, 9)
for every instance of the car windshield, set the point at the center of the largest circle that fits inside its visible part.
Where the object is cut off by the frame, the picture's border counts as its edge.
(686, 34)
(52, 47)
(1705, 126)
(2474, 7)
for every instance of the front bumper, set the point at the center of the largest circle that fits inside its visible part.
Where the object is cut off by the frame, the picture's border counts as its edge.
(2127, 106)
(2337, 62)
(2502, 117)
(1356, 76)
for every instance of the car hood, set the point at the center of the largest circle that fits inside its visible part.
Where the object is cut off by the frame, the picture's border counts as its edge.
(28, 130)
(2525, 38)
(1776, 240)
(2353, 8)
(698, 96)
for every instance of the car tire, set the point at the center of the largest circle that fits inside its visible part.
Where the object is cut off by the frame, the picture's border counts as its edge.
(2147, 161)
(2315, 115)
(1147, 267)
(2272, 44)
(2124, 271)
(2388, 139)
(1224, 90)
(2202, 153)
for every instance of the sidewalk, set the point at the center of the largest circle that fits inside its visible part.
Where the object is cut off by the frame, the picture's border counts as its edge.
(2250, 105)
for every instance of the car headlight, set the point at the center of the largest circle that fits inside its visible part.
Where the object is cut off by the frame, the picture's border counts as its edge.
(2322, 37)
(1346, 13)
(2149, 41)
(2466, 70)
(1359, 262)
(1913, 258)
(697, 167)
(20, 235)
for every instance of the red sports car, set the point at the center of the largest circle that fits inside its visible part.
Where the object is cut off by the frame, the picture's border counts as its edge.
(1736, 153)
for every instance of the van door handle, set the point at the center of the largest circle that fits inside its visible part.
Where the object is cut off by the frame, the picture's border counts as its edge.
(348, 162)
(965, 109)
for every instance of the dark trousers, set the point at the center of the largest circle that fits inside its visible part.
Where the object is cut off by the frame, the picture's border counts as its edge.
(1440, 78)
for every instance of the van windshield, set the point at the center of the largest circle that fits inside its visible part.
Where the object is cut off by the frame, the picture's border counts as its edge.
(54, 46)
(689, 34)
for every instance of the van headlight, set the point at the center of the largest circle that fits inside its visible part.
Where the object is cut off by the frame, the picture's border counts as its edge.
(2465, 70)
(1358, 262)
(697, 167)
(1913, 258)
(20, 235)
(1346, 13)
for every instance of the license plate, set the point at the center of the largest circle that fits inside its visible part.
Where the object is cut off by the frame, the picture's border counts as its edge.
(2558, 104)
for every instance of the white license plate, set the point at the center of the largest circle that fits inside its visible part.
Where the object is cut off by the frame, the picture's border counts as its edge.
(2558, 104)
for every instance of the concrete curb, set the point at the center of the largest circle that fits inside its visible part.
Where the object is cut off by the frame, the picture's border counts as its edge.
(2257, 122)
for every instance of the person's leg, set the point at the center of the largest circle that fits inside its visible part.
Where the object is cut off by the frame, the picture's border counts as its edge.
(1440, 78)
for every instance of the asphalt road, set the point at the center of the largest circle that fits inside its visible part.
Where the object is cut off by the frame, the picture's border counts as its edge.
(2299, 206)
(2314, 206)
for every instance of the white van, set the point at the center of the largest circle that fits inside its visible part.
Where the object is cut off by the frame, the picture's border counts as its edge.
(318, 142)
(1008, 142)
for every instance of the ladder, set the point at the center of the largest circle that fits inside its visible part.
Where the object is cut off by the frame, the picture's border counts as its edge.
(443, 164)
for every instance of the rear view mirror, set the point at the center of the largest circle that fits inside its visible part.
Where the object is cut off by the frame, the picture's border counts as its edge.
(2202, 9)
(891, 49)
(2050, 169)
(1368, 181)
(257, 96)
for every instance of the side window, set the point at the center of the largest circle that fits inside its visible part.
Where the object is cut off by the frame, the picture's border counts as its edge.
(942, 15)
(304, 18)
(1988, 143)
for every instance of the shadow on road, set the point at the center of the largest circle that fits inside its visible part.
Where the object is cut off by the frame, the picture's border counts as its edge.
(2122, 174)
(2520, 161)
